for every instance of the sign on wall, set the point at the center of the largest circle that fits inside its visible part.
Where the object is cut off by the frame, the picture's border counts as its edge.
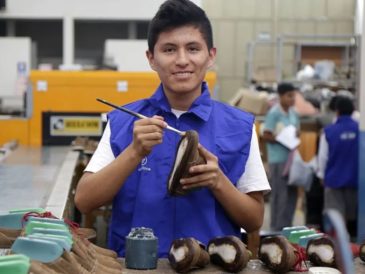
(61, 128)
(75, 125)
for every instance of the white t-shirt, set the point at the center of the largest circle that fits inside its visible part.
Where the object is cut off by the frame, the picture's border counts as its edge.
(253, 179)
(322, 156)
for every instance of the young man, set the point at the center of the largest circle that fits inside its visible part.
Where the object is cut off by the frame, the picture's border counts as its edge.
(338, 163)
(132, 163)
(283, 198)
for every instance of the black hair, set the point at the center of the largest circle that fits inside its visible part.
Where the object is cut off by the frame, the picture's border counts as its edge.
(178, 13)
(285, 87)
(344, 105)
(332, 103)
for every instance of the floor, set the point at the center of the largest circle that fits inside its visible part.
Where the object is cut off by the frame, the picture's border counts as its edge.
(27, 176)
(299, 217)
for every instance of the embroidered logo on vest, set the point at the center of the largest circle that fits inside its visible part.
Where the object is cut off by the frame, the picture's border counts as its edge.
(143, 166)
(348, 135)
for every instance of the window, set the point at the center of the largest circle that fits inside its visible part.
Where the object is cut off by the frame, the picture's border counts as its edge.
(142, 29)
(90, 37)
(47, 37)
(3, 28)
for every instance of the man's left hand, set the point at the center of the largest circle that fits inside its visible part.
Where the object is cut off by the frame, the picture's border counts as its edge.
(205, 175)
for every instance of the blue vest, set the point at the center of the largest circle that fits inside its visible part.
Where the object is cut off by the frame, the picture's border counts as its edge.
(143, 200)
(343, 147)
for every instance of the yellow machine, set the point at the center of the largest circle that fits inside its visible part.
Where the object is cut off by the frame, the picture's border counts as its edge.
(76, 92)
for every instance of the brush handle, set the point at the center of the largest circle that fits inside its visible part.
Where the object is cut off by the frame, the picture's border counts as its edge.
(138, 115)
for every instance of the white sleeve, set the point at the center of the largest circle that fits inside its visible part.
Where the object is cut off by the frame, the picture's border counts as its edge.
(322, 156)
(103, 155)
(254, 178)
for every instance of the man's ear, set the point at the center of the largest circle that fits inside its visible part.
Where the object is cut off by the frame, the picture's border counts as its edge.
(150, 59)
(212, 55)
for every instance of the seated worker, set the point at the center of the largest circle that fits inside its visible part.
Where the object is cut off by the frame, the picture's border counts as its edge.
(131, 165)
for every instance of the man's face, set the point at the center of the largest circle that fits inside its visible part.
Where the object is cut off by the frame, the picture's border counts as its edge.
(181, 59)
(287, 99)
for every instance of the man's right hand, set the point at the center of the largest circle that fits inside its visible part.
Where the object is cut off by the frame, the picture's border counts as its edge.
(146, 134)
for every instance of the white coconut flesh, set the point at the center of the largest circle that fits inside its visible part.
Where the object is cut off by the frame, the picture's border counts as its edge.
(179, 253)
(324, 252)
(180, 154)
(273, 251)
(225, 251)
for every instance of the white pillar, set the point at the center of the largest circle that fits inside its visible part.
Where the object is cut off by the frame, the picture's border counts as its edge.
(68, 40)
(132, 30)
(359, 17)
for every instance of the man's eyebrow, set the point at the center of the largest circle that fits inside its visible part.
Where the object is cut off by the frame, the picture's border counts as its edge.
(194, 43)
(168, 44)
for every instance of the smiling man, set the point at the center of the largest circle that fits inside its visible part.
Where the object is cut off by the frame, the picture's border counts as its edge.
(132, 163)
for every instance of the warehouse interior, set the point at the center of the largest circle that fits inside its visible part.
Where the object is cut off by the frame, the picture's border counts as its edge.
(58, 57)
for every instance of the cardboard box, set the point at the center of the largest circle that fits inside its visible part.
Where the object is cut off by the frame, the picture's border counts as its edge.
(255, 102)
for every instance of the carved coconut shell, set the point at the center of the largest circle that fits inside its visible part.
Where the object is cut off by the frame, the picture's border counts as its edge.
(187, 155)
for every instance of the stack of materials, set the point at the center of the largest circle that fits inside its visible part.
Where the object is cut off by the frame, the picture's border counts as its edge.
(297, 249)
(45, 244)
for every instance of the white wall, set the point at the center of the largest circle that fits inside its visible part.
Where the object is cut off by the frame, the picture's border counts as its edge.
(128, 55)
(70, 10)
(85, 9)
(12, 52)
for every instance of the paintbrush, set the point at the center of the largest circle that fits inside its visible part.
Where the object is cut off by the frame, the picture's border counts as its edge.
(138, 115)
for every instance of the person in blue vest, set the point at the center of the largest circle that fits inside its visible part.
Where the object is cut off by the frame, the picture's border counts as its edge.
(338, 161)
(283, 198)
(131, 165)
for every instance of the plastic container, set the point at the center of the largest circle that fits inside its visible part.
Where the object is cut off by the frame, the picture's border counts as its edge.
(287, 230)
(303, 240)
(295, 235)
(141, 249)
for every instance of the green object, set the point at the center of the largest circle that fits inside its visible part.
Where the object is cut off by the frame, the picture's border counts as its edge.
(63, 237)
(303, 240)
(41, 250)
(13, 257)
(46, 220)
(295, 235)
(36, 224)
(11, 220)
(14, 264)
(26, 210)
(60, 240)
(52, 232)
(287, 230)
